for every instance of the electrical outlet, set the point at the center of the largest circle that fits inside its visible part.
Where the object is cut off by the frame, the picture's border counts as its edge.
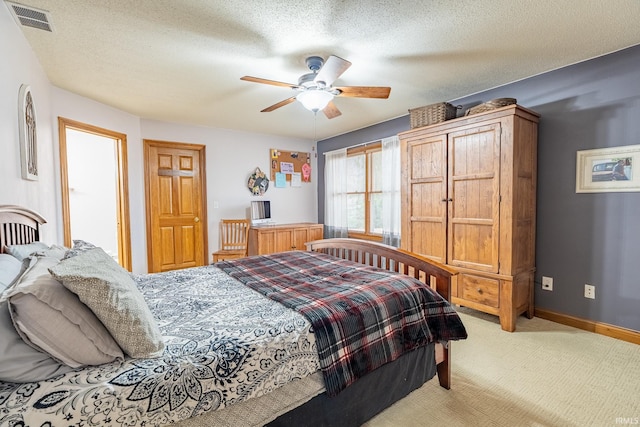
(589, 291)
(547, 283)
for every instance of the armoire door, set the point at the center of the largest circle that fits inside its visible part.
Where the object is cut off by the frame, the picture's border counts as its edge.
(424, 199)
(474, 198)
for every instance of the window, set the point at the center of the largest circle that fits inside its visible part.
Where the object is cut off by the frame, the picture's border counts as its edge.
(364, 192)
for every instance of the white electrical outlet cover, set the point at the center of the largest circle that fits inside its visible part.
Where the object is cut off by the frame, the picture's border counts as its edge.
(589, 291)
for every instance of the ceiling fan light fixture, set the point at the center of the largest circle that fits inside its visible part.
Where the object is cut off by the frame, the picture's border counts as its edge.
(315, 90)
(314, 99)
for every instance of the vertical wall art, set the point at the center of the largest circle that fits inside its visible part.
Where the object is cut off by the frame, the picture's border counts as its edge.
(28, 135)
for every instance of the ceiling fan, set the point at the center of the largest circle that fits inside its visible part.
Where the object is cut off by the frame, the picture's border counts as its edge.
(315, 88)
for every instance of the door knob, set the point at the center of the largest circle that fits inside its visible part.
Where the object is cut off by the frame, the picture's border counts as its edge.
(196, 219)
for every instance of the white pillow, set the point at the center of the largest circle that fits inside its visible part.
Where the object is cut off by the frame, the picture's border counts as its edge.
(51, 318)
(110, 292)
(23, 251)
(10, 269)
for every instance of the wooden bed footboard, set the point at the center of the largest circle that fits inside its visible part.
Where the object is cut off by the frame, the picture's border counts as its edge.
(438, 276)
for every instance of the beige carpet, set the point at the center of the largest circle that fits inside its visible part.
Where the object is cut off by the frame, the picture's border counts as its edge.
(544, 374)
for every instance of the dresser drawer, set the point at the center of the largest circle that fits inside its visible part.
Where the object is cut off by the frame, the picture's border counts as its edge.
(479, 289)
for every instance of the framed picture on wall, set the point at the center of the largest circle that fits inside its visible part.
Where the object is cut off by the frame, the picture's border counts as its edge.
(614, 169)
(27, 134)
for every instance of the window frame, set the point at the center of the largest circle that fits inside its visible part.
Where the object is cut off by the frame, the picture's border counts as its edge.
(367, 150)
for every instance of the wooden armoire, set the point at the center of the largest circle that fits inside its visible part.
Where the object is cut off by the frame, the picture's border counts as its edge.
(469, 201)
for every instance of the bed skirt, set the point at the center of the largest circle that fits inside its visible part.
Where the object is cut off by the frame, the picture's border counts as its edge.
(303, 403)
(368, 396)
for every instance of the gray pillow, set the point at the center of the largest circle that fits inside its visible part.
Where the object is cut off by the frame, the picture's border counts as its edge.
(23, 251)
(54, 251)
(110, 292)
(20, 363)
(51, 318)
(79, 246)
(10, 269)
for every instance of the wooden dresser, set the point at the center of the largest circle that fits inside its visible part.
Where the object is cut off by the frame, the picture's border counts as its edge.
(268, 239)
(469, 201)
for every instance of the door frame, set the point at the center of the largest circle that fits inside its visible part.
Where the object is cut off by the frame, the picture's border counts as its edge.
(122, 186)
(147, 143)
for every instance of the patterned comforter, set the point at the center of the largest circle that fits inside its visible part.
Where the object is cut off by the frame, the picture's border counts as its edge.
(224, 343)
(363, 317)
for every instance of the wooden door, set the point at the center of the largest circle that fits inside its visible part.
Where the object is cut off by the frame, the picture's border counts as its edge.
(424, 203)
(474, 197)
(176, 209)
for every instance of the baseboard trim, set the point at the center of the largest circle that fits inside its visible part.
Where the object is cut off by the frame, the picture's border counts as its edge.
(612, 331)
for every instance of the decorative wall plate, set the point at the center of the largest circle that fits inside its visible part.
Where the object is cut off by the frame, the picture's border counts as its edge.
(258, 183)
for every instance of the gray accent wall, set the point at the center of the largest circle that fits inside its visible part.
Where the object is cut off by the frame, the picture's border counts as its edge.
(581, 238)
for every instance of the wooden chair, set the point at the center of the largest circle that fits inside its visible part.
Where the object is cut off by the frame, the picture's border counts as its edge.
(234, 235)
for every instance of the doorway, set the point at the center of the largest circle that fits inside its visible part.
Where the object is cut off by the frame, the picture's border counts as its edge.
(93, 169)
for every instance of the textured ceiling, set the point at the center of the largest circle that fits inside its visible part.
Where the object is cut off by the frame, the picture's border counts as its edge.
(181, 60)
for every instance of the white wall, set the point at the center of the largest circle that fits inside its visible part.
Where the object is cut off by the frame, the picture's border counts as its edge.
(20, 66)
(231, 155)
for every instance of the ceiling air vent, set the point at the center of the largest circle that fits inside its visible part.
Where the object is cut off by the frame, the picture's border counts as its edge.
(30, 16)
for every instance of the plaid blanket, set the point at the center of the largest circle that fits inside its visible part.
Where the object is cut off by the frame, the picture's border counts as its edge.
(363, 317)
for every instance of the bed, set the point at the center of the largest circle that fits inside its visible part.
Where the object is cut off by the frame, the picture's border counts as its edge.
(195, 379)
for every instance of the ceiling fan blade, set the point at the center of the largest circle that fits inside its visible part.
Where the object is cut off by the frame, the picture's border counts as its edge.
(381, 92)
(279, 104)
(331, 111)
(268, 82)
(332, 69)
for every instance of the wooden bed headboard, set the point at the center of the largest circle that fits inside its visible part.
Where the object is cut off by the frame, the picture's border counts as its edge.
(438, 276)
(19, 226)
